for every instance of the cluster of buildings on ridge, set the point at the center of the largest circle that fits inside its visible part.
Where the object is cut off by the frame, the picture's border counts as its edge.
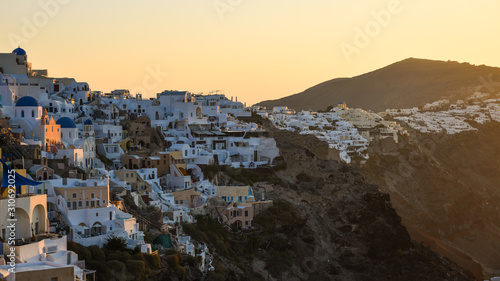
(350, 131)
(451, 118)
(89, 150)
(345, 129)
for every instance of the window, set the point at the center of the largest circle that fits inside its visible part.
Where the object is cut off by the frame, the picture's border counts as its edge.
(131, 175)
(246, 223)
(54, 279)
(80, 204)
(110, 216)
(74, 195)
(96, 214)
(32, 113)
(69, 205)
(22, 113)
(126, 175)
(103, 201)
(69, 134)
(87, 203)
(246, 213)
(91, 195)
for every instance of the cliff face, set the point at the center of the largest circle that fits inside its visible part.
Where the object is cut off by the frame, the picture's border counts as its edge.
(446, 190)
(328, 224)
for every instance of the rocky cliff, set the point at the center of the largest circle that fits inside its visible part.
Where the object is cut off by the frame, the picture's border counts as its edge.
(329, 223)
(446, 189)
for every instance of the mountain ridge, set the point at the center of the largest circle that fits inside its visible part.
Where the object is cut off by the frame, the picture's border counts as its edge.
(412, 82)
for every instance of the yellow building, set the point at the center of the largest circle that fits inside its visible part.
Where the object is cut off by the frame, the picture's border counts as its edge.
(83, 194)
(240, 194)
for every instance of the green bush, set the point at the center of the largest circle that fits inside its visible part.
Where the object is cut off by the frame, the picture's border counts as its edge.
(115, 265)
(115, 244)
(138, 269)
(103, 271)
(120, 256)
(180, 272)
(82, 251)
(153, 260)
(97, 253)
(173, 261)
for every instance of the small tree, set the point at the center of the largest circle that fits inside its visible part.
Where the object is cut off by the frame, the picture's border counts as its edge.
(114, 243)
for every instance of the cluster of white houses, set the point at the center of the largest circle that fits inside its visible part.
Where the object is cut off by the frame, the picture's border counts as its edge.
(451, 118)
(345, 129)
(83, 144)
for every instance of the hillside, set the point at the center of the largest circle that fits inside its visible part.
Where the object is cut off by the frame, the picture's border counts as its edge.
(328, 223)
(445, 187)
(405, 84)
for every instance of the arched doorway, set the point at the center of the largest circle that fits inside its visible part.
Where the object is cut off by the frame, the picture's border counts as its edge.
(38, 218)
(23, 224)
(84, 231)
(96, 229)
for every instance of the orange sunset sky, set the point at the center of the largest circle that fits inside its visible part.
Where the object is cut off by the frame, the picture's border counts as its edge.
(253, 49)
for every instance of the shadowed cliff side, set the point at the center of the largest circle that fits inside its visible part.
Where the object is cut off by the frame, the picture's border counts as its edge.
(328, 224)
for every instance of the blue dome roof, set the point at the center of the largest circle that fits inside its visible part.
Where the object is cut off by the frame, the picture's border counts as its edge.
(88, 122)
(20, 52)
(27, 101)
(66, 123)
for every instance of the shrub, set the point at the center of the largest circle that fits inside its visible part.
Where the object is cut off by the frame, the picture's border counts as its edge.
(97, 253)
(82, 252)
(138, 269)
(114, 243)
(103, 271)
(119, 256)
(153, 260)
(115, 265)
(173, 260)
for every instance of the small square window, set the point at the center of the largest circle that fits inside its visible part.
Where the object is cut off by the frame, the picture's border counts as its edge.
(74, 195)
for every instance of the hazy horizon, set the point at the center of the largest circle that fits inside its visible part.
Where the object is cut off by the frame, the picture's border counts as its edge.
(254, 50)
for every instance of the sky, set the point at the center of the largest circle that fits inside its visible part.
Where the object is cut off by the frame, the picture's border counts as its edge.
(251, 49)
